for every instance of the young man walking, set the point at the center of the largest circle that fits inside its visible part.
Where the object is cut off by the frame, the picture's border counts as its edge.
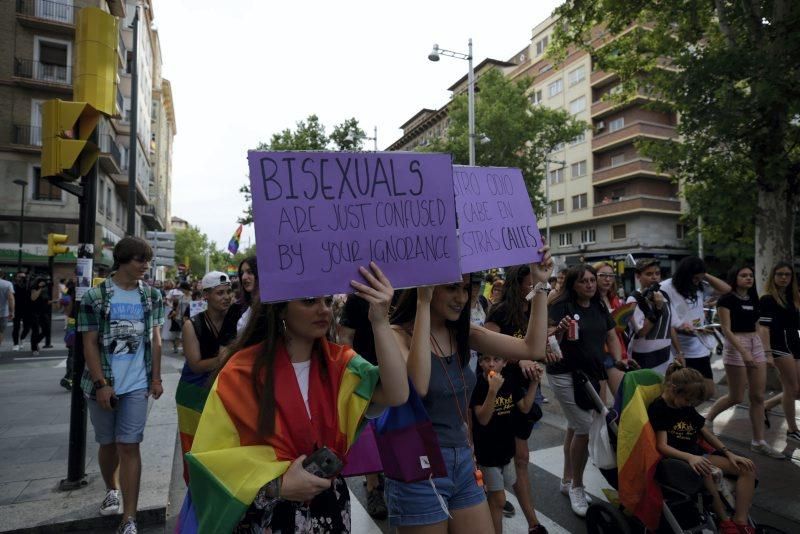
(120, 321)
(6, 304)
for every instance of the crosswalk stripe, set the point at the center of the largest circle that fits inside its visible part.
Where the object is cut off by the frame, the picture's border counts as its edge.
(519, 524)
(360, 521)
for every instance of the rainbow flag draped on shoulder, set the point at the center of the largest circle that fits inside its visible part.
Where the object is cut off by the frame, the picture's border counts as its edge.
(190, 398)
(229, 461)
(637, 456)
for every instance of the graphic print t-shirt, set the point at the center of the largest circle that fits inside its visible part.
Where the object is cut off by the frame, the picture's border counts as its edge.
(682, 425)
(494, 442)
(126, 351)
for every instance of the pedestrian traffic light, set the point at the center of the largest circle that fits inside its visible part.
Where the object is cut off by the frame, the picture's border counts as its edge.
(66, 127)
(55, 244)
(96, 38)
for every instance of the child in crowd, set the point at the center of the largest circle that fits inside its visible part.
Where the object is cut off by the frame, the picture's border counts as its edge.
(493, 429)
(678, 429)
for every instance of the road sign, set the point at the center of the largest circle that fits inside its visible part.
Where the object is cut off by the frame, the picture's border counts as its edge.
(160, 236)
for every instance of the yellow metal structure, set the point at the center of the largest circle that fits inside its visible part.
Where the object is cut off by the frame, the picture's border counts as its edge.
(96, 38)
(66, 127)
(55, 244)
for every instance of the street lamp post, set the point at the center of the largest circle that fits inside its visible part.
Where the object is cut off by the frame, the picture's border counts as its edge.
(434, 56)
(547, 163)
(23, 184)
(374, 137)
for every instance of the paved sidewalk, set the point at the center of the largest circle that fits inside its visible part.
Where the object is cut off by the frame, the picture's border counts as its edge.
(34, 437)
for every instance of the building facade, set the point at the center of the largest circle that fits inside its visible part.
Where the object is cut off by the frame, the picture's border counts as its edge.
(37, 54)
(606, 199)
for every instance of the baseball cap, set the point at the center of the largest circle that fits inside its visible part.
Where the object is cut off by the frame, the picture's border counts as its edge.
(213, 279)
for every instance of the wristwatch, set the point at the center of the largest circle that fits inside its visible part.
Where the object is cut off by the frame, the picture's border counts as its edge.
(541, 287)
(100, 383)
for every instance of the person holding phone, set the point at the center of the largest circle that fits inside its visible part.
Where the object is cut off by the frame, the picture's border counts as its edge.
(288, 403)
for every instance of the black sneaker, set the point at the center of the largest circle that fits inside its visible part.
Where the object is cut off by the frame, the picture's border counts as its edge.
(376, 506)
(508, 509)
(66, 383)
(538, 529)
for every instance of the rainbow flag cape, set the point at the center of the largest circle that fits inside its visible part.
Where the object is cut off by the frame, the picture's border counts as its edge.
(230, 462)
(622, 315)
(637, 456)
(233, 244)
(190, 398)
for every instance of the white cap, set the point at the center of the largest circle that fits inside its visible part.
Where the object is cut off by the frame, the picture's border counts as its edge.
(215, 278)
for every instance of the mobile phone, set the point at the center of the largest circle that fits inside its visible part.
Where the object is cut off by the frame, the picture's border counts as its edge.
(323, 463)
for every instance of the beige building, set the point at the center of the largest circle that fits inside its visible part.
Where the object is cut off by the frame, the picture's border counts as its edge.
(606, 200)
(37, 54)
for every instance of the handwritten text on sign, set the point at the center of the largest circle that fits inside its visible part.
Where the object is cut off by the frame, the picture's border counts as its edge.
(319, 216)
(496, 223)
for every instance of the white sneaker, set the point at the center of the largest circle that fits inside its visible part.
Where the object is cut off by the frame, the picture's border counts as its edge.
(577, 501)
(766, 450)
(35, 353)
(110, 505)
(565, 486)
(15, 348)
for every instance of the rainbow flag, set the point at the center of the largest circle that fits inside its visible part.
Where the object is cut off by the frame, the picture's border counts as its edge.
(233, 244)
(229, 461)
(190, 398)
(637, 456)
(622, 315)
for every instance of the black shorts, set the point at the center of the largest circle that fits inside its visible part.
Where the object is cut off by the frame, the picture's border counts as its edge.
(702, 364)
(523, 423)
(782, 350)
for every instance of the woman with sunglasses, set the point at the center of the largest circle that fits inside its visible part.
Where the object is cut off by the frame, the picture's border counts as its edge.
(778, 328)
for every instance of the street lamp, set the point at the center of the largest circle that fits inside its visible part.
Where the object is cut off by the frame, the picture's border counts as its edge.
(23, 184)
(434, 56)
(351, 137)
(547, 163)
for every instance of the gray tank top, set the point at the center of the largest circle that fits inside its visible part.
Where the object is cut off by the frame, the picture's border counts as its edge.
(440, 402)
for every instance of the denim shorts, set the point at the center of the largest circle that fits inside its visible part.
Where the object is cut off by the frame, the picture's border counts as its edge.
(416, 503)
(496, 478)
(125, 423)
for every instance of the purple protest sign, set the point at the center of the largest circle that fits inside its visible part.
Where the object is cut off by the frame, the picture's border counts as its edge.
(496, 223)
(319, 216)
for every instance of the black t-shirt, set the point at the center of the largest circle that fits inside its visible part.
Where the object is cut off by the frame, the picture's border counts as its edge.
(587, 352)
(494, 442)
(355, 315)
(682, 425)
(499, 316)
(783, 323)
(744, 313)
(209, 341)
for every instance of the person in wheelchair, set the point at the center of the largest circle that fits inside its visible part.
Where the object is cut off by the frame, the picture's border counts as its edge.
(679, 430)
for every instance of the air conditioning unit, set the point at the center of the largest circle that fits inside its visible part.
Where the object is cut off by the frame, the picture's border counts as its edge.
(601, 125)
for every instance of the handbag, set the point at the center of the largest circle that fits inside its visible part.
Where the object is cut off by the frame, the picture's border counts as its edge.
(363, 457)
(600, 449)
(582, 398)
(407, 442)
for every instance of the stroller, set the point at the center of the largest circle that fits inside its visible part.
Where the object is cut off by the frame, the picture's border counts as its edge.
(674, 500)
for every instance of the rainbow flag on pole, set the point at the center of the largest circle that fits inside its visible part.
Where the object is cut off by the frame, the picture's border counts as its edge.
(622, 315)
(230, 462)
(233, 244)
(637, 456)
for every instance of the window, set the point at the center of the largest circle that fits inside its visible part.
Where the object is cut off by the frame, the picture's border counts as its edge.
(577, 105)
(579, 169)
(580, 139)
(617, 159)
(52, 61)
(536, 97)
(554, 88)
(42, 189)
(588, 236)
(579, 201)
(557, 206)
(618, 231)
(109, 205)
(100, 198)
(576, 76)
(616, 124)
(565, 239)
(556, 176)
(541, 46)
(681, 231)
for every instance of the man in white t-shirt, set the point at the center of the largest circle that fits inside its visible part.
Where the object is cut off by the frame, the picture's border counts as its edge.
(688, 290)
(6, 304)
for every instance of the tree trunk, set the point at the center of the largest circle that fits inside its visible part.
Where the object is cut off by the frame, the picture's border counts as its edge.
(775, 222)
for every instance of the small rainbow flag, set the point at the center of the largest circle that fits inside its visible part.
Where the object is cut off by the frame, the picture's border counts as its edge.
(637, 456)
(622, 315)
(233, 244)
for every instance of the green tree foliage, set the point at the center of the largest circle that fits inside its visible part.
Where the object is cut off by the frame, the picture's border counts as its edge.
(191, 243)
(308, 135)
(731, 71)
(510, 130)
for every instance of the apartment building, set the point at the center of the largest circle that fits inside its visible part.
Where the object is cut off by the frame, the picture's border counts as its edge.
(606, 199)
(37, 54)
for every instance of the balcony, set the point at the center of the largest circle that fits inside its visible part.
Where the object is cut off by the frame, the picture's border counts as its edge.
(50, 15)
(39, 74)
(121, 181)
(624, 205)
(151, 219)
(608, 104)
(637, 167)
(27, 135)
(628, 134)
(110, 158)
(600, 78)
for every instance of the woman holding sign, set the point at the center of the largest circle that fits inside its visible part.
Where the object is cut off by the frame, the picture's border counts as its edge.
(283, 412)
(432, 325)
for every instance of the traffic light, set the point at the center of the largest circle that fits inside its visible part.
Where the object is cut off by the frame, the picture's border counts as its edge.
(55, 244)
(66, 127)
(96, 38)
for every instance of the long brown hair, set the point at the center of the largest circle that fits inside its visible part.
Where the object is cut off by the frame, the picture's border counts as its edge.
(791, 292)
(513, 304)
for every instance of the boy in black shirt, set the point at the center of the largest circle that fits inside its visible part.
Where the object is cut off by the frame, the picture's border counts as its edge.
(493, 428)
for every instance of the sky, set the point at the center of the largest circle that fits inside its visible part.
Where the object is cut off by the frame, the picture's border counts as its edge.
(242, 70)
